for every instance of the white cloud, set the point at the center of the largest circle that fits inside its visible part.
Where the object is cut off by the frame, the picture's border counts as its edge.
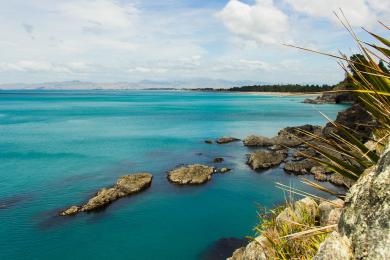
(105, 13)
(358, 12)
(262, 22)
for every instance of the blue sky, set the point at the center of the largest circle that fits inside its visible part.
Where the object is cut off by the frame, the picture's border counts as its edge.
(132, 40)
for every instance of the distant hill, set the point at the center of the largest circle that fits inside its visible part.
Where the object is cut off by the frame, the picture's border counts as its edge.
(144, 84)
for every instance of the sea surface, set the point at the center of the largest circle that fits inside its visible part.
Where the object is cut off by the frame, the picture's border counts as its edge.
(57, 148)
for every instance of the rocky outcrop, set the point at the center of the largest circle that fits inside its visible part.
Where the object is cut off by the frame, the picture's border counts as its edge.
(255, 250)
(265, 159)
(356, 119)
(364, 225)
(261, 248)
(335, 97)
(285, 138)
(335, 247)
(125, 186)
(225, 140)
(254, 140)
(191, 174)
(300, 167)
(365, 219)
(330, 212)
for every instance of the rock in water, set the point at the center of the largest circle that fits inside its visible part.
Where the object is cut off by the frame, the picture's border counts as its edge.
(254, 140)
(125, 186)
(265, 159)
(225, 140)
(224, 170)
(300, 167)
(191, 174)
(218, 160)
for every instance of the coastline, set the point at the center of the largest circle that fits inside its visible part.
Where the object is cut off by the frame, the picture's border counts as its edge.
(282, 94)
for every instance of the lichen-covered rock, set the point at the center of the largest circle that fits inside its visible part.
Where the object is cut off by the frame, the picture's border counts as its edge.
(302, 209)
(70, 211)
(255, 250)
(265, 159)
(365, 218)
(226, 139)
(300, 167)
(340, 180)
(334, 247)
(321, 173)
(254, 140)
(191, 174)
(330, 212)
(125, 186)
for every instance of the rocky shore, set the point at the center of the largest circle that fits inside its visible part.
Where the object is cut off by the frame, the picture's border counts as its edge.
(125, 186)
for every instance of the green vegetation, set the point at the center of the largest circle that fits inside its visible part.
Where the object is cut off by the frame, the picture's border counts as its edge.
(283, 88)
(279, 245)
(344, 153)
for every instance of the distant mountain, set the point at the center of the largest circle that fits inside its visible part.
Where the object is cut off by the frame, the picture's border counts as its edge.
(144, 84)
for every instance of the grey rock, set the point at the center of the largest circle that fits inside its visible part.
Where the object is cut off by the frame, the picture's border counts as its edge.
(264, 159)
(330, 212)
(254, 140)
(334, 247)
(300, 167)
(125, 186)
(191, 174)
(365, 219)
(226, 139)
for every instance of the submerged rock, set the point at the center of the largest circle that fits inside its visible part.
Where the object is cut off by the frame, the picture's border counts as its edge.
(218, 160)
(265, 159)
(225, 140)
(208, 141)
(224, 170)
(125, 186)
(191, 174)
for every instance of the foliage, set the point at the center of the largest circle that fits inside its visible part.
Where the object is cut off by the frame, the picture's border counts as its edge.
(279, 245)
(283, 88)
(344, 153)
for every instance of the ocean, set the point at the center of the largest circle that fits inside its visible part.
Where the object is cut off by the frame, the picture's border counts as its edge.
(57, 148)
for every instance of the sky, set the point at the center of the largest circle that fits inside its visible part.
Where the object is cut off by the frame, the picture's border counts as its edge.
(170, 40)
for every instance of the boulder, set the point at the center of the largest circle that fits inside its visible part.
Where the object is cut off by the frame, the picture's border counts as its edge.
(225, 140)
(265, 159)
(125, 186)
(355, 118)
(255, 250)
(321, 173)
(300, 167)
(340, 180)
(330, 212)
(334, 247)
(365, 218)
(191, 174)
(254, 140)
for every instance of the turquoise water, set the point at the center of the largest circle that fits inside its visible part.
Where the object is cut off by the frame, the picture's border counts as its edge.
(58, 147)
